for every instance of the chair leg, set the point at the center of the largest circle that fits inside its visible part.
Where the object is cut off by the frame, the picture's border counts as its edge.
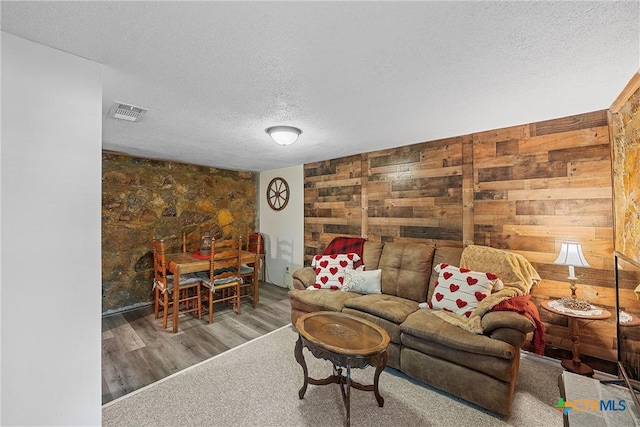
(175, 308)
(165, 311)
(211, 301)
(199, 301)
(238, 298)
(156, 303)
(254, 297)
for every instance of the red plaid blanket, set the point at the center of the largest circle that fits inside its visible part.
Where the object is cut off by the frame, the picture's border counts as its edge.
(526, 307)
(346, 245)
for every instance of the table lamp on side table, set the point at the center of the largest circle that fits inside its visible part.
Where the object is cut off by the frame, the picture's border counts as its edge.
(571, 255)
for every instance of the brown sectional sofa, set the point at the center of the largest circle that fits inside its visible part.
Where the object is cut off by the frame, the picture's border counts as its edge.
(480, 368)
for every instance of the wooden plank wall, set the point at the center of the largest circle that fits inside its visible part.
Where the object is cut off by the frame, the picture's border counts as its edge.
(332, 202)
(524, 188)
(541, 184)
(410, 193)
(415, 193)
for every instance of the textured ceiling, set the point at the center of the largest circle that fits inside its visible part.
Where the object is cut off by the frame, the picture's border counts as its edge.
(354, 76)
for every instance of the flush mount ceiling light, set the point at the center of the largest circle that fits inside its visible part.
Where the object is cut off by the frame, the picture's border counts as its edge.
(284, 135)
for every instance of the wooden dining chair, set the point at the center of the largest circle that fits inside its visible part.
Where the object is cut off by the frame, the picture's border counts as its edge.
(255, 244)
(224, 275)
(188, 297)
(250, 270)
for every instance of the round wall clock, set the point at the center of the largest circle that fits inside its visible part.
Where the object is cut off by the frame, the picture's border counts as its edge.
(278, 193)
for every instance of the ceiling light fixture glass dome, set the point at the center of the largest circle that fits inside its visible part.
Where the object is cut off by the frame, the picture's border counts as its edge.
(283, 135)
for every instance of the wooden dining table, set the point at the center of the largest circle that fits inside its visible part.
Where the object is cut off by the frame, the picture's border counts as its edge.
(185, 262)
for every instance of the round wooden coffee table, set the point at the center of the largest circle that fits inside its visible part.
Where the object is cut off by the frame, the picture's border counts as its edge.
(347, 342)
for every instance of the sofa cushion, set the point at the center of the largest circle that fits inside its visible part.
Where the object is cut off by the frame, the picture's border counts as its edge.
(362, 282)
(392, 328)
(406, 269)
(320, 299)
(371, 254)
(424, 324)
(329, 269)
(389, 307)
(459, 290)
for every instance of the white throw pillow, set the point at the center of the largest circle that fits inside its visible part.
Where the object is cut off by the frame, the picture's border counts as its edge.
(362, 282)
(460, 290)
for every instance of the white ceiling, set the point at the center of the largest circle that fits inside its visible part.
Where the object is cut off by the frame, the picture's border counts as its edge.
(354, 76)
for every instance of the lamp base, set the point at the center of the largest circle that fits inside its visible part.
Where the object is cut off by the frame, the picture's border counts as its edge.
(575, 303)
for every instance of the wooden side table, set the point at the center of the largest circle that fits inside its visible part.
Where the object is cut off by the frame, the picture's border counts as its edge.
(635, 321)
(575, 364)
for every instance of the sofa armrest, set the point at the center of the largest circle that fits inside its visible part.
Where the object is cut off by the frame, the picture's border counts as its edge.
(506, 319)
(303, 278)
(507, 326)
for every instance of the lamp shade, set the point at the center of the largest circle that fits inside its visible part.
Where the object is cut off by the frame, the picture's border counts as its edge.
(284, 135)
(571, 254)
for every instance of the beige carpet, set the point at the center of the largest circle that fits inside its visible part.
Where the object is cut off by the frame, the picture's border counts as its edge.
(257, 384)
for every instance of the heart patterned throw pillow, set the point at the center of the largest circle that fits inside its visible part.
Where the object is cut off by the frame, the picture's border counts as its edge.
(460, 290)
(330, 269)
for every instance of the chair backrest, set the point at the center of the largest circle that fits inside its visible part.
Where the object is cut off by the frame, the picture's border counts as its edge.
(255, 243)
(225, 261)
(159, 264)
(190, 242)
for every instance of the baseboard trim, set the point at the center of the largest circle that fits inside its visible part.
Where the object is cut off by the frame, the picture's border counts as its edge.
(599, 375)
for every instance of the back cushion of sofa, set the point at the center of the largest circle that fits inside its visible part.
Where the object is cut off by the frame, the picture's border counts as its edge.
(371, 254)
(406, 270)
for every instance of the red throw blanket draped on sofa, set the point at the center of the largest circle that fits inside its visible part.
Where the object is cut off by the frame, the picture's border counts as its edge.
(346, 245)
(524, 305)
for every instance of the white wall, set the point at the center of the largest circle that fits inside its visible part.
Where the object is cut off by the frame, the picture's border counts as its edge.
(50, 246)
(283, 230)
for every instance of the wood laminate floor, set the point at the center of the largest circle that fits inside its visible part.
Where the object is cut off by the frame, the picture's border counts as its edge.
(136, 351)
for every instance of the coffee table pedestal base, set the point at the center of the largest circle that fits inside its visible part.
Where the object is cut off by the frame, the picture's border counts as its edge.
(340, 361)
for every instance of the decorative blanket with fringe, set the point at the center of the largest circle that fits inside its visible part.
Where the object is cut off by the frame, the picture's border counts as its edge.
(517, 274)
(345, 245)
(526, 307)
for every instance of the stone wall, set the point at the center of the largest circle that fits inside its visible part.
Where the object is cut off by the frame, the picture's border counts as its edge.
(625, 125)
(143, 197)
(626, 176)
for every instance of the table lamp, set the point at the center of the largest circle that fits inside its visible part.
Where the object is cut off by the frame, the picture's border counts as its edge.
(571, 255)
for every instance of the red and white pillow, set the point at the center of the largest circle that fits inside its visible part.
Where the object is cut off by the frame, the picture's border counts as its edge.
(460, 290)
(330, 269)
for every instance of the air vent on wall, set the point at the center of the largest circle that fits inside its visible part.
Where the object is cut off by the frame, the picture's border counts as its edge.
(128, 112)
